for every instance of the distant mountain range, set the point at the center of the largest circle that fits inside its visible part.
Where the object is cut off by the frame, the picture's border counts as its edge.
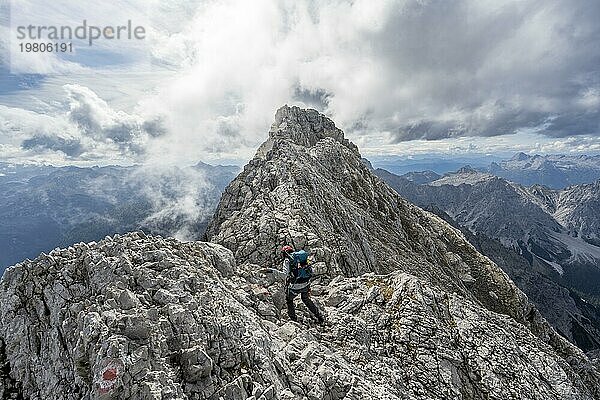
(439, 164)
(43, 207)
(556, 171)
(545, 234)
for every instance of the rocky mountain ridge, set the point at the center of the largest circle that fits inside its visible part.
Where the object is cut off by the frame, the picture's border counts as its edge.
(281, 177)
(414, 311)
(551, 230)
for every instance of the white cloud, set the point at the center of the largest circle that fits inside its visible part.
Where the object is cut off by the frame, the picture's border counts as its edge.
(79, 18)
(411, 69)
(590, 98)
(505, 145)
(176, 195)
(387, 72)
(90, 130)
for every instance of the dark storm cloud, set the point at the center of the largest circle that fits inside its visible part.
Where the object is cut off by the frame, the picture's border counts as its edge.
(429, 130)
(313, 98)
(574, 124)
(405, 70)
(503, 121)
(91, 129)
(474, 68)
(42, 142)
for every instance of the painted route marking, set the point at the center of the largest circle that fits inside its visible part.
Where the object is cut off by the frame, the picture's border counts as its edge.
(108, 375)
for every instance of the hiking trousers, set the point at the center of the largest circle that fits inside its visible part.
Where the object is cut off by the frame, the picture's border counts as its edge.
(305, 296)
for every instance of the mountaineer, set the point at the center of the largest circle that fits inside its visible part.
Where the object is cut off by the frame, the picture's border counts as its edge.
(297, 273)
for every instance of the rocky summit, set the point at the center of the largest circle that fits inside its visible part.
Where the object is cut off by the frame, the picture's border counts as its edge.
(413, 310)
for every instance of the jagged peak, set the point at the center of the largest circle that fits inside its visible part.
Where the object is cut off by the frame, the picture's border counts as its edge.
(367, 163)
(467, 169)
(520, 156)
(306, 127)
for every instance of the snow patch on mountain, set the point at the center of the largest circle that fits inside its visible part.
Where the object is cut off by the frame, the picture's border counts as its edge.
(557, 267)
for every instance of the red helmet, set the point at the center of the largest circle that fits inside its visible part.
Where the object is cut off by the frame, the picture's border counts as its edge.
(287, 249)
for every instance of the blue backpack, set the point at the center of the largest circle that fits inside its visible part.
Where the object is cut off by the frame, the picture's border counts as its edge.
(299, 266)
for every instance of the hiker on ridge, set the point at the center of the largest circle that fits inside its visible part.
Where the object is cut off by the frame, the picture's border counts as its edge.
(297, 273)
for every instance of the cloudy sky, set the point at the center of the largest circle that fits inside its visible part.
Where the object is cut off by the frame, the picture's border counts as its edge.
(400, 77)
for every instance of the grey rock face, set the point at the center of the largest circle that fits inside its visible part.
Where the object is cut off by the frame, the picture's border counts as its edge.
(422, 177)
(570, 315)
(559, 227)
(91, 321)
(413, 310)
(577, 208)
